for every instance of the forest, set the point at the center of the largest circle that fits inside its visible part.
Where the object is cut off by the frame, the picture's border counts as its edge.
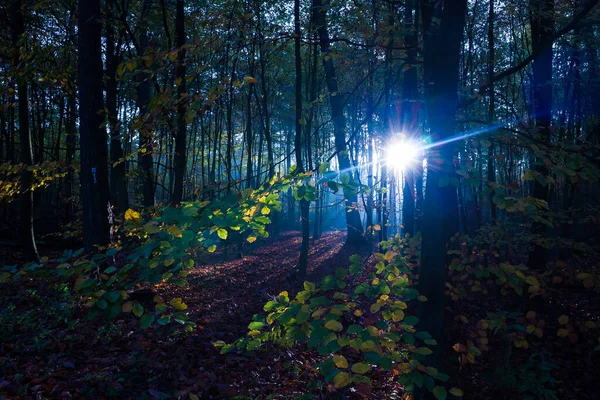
(285, 199)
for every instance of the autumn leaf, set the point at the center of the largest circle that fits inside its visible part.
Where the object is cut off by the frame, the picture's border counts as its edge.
(340, 361)
(133, 216)
(562, 332)
(361, 368)
(175, 231)
(333, 325)
(342, 379)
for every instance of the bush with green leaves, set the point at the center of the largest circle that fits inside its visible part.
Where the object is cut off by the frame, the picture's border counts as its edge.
(160, 249)
(358, 320)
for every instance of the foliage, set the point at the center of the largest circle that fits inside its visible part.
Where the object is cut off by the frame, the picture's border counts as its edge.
(357, 320)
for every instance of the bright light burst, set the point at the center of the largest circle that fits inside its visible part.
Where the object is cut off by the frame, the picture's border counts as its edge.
(402, 153)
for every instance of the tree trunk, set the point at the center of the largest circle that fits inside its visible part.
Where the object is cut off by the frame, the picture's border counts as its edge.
(542, 28)
(298, 140)
(409, 112)
(440, 216)
(181, 135)
(353, 222)
(27, 237)
(118, 182)
(491, 168)
(145, 158)
(93, 138)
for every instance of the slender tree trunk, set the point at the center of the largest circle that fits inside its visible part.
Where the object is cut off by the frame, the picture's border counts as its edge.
(145, 157)
(118, 182)
(181, 135)
(353, 222)
(409, 114)
(27, 237)
(93, 138)
(491, 168)
(542, 28)
(298, 140)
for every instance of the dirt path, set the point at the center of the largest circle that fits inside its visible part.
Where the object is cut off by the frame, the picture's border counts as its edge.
(97, 359)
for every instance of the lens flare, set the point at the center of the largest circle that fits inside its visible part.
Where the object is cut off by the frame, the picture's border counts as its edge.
(402, 153)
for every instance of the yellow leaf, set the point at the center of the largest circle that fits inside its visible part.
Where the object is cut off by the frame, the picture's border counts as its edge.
(530, 315)
(358, 313)
(175, 231)
(532, 280)
(360, 368)
(251, 239)
(133, 216)
(562, 332)
(212, 249)
(131, 65)
(377, 227)
(342, 379)
(590, 324)
(583, 276)
(340, 361)
(194, 397)
(265, 210)
(178, 304)
(397, 315)
(456, 392)
(222, 233)
(333, 325)
(563, 319)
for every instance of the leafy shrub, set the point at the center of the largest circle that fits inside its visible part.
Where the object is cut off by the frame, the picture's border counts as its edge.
(358, 320)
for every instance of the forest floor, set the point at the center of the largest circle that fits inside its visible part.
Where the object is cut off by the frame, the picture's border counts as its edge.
(49, 350)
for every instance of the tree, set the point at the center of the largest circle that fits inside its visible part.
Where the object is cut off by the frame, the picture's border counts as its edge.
(118, 180)
(353, 222)
(542, 29)
(92, 134)
(26, 204)
(304, 211)
(181, 135)
(144, 94)
(440, 216)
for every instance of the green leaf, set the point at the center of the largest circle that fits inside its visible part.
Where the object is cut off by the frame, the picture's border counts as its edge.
(425, 351)
(138, 310)
(361, 368)
(333, 325)
(456, 392)
(151, 227)
(410, 320)
(342, 379)
(175, 231)
(222, 233)
(110, 270)
(440, 393)
(323, 167)
(256, 325)
(340, 361)
(147, 320)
